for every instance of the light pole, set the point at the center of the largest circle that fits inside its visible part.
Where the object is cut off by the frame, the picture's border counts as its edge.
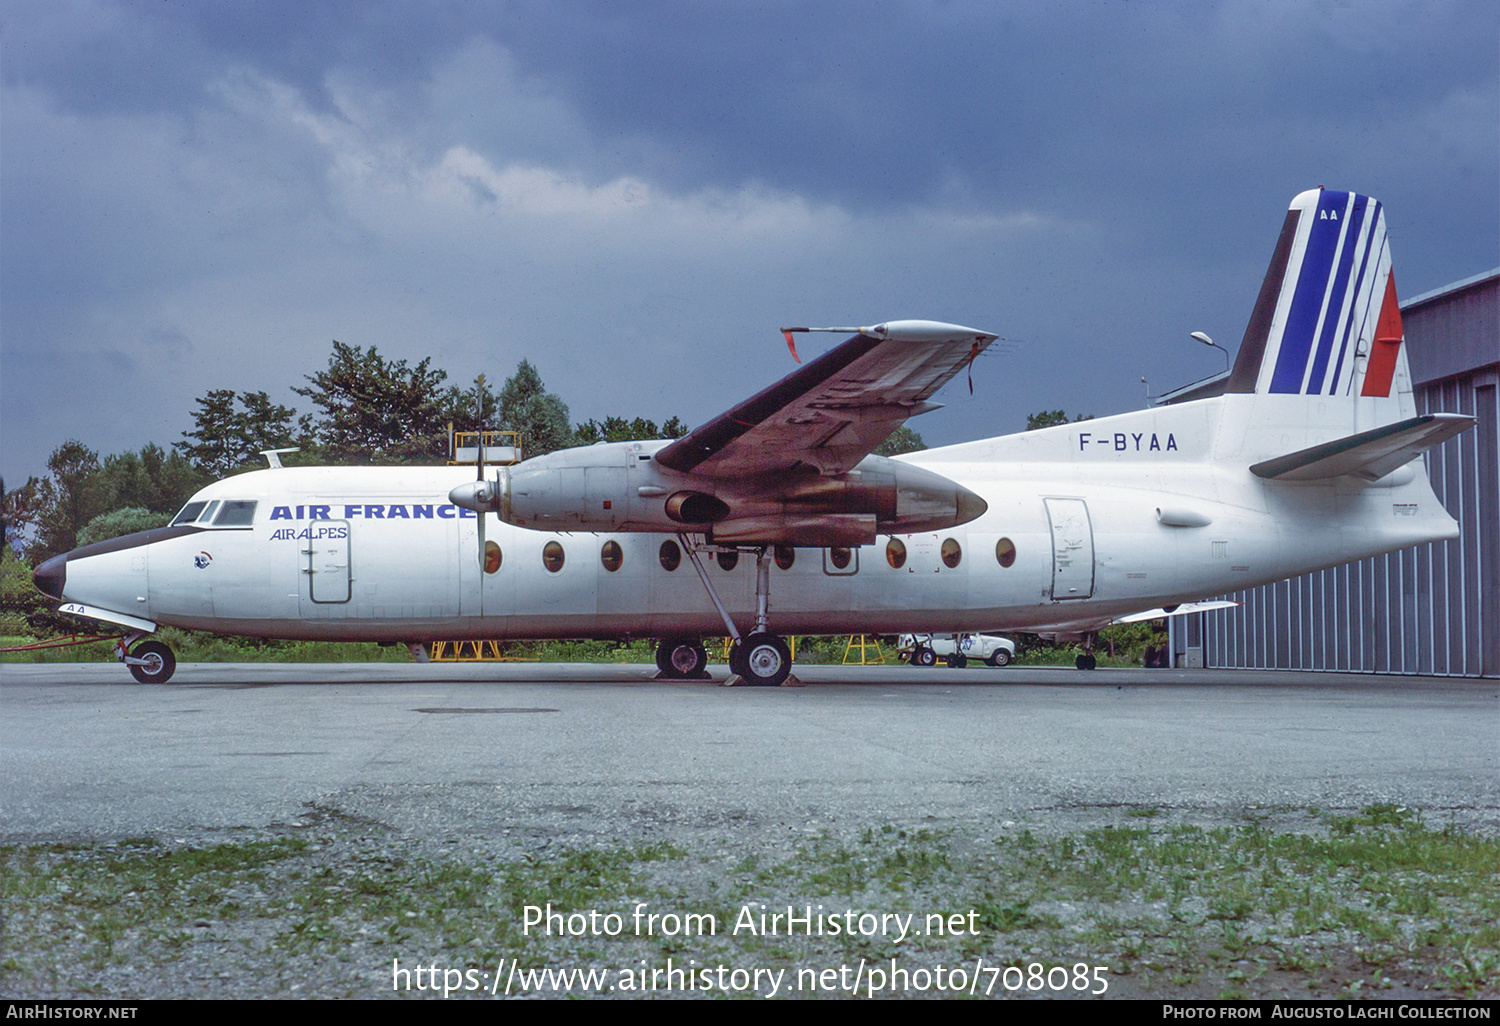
(1201, 337)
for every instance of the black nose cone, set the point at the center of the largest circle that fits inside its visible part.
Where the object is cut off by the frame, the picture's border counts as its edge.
(51, 576)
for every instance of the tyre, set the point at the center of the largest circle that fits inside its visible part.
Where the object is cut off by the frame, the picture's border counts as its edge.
(159, 663)
(681, 658)
(957, 661)
(762, 659)
(999, 657)
(924, 657)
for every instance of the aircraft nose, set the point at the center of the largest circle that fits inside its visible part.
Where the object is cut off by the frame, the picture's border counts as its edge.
(51, 577)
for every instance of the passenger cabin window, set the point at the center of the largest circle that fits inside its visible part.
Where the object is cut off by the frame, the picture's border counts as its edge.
(552, 556)
(839, 556)
(189, 513)
(952, 553)
(785, 556)
(895, 553)
(670, 555)
(728, 559)
(611, 555)
(1005, 551)
(493, 557)
(236, 513)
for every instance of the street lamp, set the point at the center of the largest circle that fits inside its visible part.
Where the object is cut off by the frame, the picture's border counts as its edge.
(1201, 337)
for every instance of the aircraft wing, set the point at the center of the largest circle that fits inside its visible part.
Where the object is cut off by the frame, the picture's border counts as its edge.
(830, 413)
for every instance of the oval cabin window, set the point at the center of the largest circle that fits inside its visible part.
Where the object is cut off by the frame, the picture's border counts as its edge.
(670, 555)
(727, 560)
(840, 556)
(952, 553)
(492, 557)
(611, 555)
(895, 553)
(552, 556)
(1005, 551)
(785, 556)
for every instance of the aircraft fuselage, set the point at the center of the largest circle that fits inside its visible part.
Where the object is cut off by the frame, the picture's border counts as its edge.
(1085, 522)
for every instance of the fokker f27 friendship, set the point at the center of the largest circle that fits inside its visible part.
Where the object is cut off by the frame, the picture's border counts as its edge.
(775, 518)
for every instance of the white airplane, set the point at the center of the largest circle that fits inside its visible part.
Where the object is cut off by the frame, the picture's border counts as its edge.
(774, 519)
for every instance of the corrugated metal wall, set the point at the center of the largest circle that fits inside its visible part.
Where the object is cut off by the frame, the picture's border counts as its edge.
(1432, 609)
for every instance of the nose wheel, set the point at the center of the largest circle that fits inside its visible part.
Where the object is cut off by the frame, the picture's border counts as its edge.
(150, 662)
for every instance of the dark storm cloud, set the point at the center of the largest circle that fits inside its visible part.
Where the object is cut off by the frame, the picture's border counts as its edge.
(201, 195)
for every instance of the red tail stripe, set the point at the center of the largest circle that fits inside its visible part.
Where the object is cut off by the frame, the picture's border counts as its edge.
(1388, 335)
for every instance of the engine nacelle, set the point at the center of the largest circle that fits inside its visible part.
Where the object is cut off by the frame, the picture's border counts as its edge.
(617, 486)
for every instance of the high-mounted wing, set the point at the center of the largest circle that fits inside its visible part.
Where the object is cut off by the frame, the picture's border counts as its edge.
(832, 412)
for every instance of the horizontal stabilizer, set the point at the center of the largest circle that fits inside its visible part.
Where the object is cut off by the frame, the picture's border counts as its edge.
(1181, 609)
(1370, 454)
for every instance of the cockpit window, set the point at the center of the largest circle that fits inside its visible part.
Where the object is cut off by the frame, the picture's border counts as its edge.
(236, 513)
(208, 514)
(189, 513)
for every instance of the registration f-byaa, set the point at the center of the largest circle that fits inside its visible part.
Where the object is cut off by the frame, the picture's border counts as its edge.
(776, 519)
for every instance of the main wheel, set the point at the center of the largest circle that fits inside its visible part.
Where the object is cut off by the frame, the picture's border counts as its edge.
(159, 663)
(958, 661)
(924, 657)
(681, 658)
(762, 659)
(1086, 662)
(999, 657)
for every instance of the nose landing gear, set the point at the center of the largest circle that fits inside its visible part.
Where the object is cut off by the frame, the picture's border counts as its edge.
(150, 662)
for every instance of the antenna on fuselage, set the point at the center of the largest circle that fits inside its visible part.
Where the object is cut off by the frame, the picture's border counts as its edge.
(273, 456)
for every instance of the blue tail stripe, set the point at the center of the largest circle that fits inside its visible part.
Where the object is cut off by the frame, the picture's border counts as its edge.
(1336, 299)
(1374, 244)
(1312, 286)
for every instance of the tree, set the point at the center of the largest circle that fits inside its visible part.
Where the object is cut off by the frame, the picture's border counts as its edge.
(24, 611)
(150, 479)
(375, 410)
(232, 429)
(66, 499)
(541, 417)
(618, 429)
(903, 439)
(19, 510)
(119, 522)
(1052, 418)
(472, 409)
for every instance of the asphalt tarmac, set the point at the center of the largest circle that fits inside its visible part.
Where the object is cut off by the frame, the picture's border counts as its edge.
(594, 751)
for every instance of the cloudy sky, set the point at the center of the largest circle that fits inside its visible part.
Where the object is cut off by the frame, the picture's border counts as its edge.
(634, 196)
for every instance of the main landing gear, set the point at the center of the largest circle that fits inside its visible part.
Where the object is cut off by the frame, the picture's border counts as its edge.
(150, 662)
(681, 659)
(760, 657)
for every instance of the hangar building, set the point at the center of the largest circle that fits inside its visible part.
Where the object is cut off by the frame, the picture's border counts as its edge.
(1432, 609)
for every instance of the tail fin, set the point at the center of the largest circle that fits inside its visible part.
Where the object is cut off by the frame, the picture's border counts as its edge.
(1327, 321)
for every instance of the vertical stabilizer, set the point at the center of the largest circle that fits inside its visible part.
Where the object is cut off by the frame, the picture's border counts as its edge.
(1327, 321)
